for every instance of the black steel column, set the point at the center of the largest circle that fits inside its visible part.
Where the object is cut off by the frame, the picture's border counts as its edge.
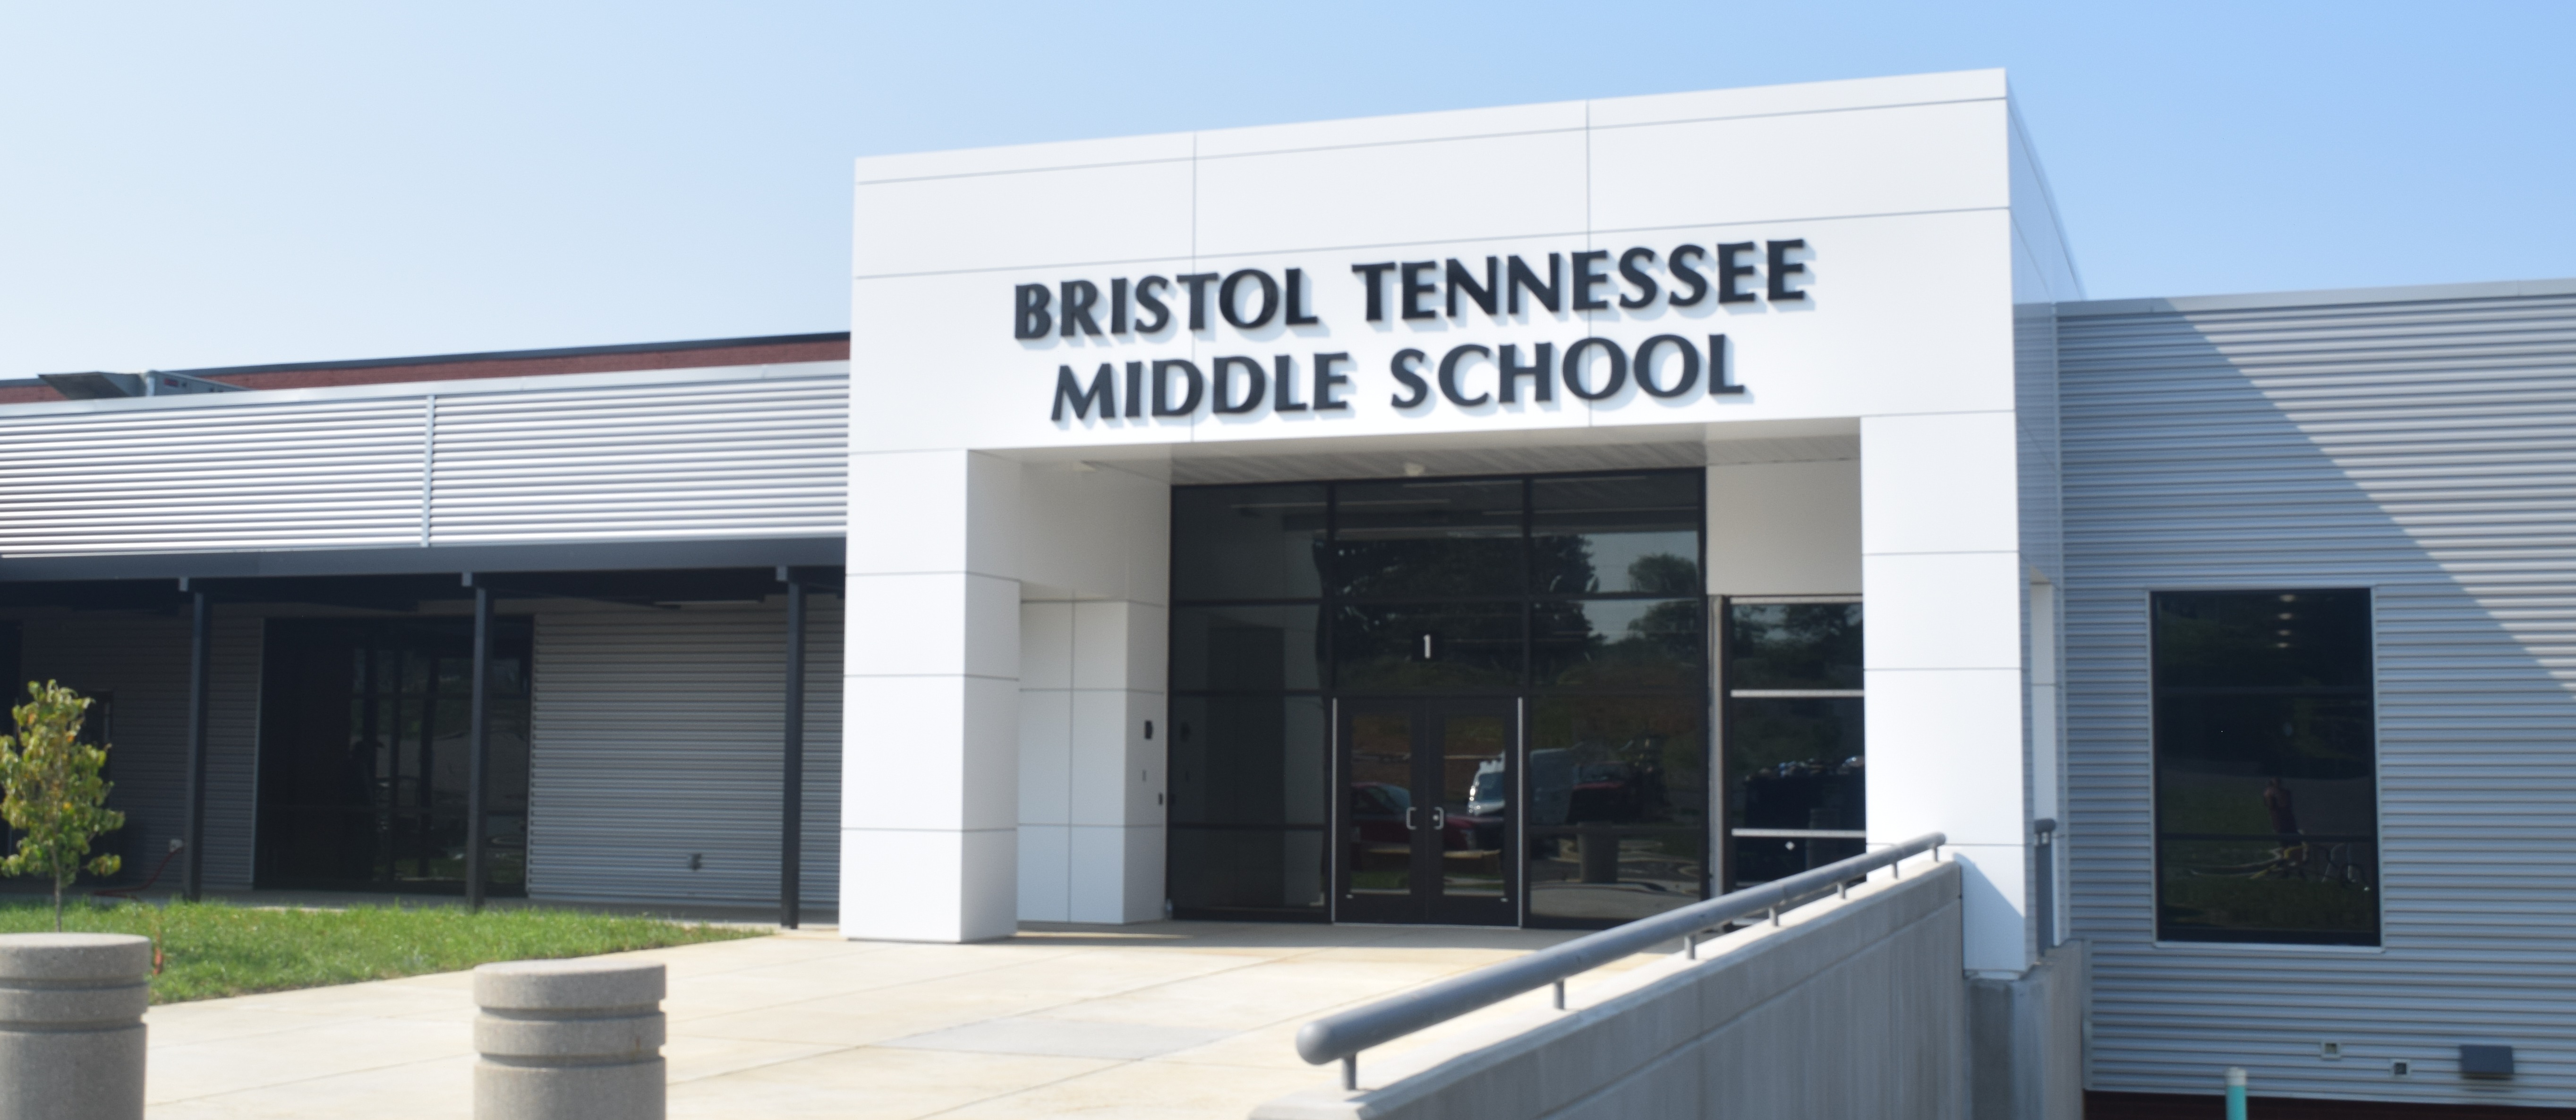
(480, 754)
(791, 809)
(200, 652)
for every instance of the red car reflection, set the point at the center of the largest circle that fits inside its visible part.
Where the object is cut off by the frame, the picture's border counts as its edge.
(1382, 815)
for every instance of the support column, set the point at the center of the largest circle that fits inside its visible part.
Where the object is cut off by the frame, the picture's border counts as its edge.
(479, 754)
(1116, 772)
(200, 659)
(1943, 582)
(930, 750)
(791, 784)
(1094, 723)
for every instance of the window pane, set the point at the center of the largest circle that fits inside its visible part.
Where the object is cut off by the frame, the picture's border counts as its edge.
(1472, 750)
(366, 740)
(1248, 869)
(1796, 764)
(1382, 813)
(1410, 539)
(2307, 892)
(1602, 874)
(1472, 646)
(2238, 639)
(1620, 643)
(1247, 542)
(1631, 533)
(1761, 859)
(2266, 779)
(2264, 765)
(1627, 760)
(1245, 649)
(1240, 761)
(1793, 645)
(507, 842)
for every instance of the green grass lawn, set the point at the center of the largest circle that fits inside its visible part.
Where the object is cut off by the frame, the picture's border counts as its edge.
(212, 949)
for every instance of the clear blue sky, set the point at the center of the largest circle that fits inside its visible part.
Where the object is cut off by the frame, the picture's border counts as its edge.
(210, 184)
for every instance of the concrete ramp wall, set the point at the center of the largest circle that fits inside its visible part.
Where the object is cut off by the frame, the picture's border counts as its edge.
(1851, 1009)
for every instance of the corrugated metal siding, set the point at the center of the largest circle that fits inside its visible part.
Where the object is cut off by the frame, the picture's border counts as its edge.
(765, 457)
(2425, 449)
(296, 475)
(760, 459)
(2035, 431)
(657, 735)
(143, 662)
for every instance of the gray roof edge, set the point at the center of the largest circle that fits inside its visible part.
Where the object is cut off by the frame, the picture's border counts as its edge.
(2254, 301)
(641, 552)
(380, 390)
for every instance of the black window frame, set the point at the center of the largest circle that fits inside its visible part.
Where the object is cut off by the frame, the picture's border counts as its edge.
(1728, 831)
(1331, 600)
(290, 649)
(2166, 931)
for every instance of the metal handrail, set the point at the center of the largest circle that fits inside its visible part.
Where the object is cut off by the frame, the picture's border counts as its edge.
(1344, 1034)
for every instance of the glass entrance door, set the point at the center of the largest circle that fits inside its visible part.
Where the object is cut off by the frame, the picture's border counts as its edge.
(1428, 820)
(364, 755)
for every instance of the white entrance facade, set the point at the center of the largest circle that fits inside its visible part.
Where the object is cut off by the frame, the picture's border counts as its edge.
(1807, 291)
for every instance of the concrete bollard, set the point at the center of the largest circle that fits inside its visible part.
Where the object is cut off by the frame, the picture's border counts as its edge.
(569, 1040)
(71, 1025)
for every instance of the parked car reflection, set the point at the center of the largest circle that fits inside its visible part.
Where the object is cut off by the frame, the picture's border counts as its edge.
(1382, 817)
(1598, 784)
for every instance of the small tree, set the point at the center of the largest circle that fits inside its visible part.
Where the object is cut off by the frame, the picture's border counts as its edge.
(54, 793)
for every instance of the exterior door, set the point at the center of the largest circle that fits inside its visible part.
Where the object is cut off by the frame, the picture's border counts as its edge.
(1429, 818)
(365, 744)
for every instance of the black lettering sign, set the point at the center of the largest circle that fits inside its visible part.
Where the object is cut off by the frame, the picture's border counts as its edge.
(1449, 374)
(1407, 368)
(1665, 366)
(1101, 396)
(1222, 375)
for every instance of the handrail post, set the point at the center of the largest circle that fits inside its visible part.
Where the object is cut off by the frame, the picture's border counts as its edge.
(1350, 1073)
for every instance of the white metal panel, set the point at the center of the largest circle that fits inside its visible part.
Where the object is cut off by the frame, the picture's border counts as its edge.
(2421, 446)
(320, 474)
(763, 459)
(141, 662)
(657, 736)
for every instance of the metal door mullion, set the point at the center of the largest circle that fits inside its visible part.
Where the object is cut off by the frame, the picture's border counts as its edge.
(1518, 813)
(1336, 811)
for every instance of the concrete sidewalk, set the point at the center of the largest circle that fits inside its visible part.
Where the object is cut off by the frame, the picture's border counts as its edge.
(1172, 1019)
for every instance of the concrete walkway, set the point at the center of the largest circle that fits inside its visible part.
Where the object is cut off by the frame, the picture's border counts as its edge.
(1173, 1019)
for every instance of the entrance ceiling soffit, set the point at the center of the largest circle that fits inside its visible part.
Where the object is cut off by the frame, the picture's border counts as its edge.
(1567, 450)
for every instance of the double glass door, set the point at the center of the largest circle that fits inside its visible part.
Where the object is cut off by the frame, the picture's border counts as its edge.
(365, 753)
(1429, 819)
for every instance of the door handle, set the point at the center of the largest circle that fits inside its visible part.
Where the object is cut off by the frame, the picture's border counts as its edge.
(1412, 818)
